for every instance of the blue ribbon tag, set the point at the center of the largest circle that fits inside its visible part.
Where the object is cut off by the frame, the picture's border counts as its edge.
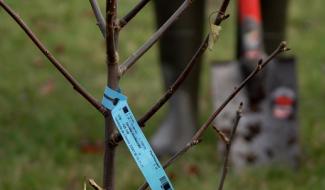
(135, 140)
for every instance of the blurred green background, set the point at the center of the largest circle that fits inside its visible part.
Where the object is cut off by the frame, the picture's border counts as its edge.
(43, 120)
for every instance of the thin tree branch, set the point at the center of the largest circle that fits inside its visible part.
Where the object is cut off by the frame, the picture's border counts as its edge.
(172, 89)
(112, 82)
(228, 147)
(116, 138)
(221, 135)
(52, 59)
(281, 48)
(101, 23)
(197, 136)
(154, 38)
(94, 185)
(128, 17)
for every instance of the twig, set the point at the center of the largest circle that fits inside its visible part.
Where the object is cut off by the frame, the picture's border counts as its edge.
(221, 135)
(228, 147)
(116, 138)
(154, 38)
(112, 82)
(94, 185)
(52, 59)
(101, 23)
(128, 17)
(197, 136)
(281, 48)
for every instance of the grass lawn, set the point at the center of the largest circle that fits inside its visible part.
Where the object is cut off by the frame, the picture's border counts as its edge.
(43, 120)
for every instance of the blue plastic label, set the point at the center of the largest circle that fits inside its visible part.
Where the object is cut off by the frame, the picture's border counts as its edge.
(135, 140)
